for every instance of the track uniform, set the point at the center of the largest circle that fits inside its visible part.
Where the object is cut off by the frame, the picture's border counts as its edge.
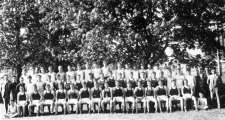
(48, 97)
(150, 97)
(22, 99)
(162, 96)
(72, 97)
(187, 94)
(175, 96)
(85, 96)
(61, 97)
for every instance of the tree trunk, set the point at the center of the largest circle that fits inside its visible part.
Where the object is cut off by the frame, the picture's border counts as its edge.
(18, 72)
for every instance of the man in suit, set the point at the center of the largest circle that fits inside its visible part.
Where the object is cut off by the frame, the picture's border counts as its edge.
(6, 92)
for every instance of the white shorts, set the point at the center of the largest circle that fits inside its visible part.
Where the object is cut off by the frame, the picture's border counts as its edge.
(175, 97)
(150, 98)
(48, 102)
(106, 100)
(162, 98)
(129, 99)
(187, 96)
(96, 100)
(118, 99)
(61, 101)
(72, 101)
(35, 103)
(22, 103)
(85, 101)
(140, 99)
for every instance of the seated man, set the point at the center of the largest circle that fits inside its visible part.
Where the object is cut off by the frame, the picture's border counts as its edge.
(161, 95)
(107, 97)
(72, 96)
(22, 100)
(48, 98)
(85, 97)
(187, 93)
(202, 102)
(139, 93)
(60, 99)
(35, 100)
(12, 110)
(150, 96)
(96, 96)
(118, 96)
(174, 94)
(129, 97)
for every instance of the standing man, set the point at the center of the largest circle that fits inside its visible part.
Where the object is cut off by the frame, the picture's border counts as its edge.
(213, 86)
(6, 92)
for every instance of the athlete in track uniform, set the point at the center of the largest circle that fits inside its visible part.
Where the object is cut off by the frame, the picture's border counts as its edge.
(161, 95)
(96, 97)
(70, 74)
(61, 73)
(127, 72)
(72, 96)
(174, 95)
(107, 97)
(118, 96)
(111, 80)
(187, 93)
(60, 99)
(129, 97)
(79, 77)
(85, 97)
(52, 74)
(105, 70)
(48, 98)
(22, 98)
(35, 101)
(150, 96)
(139, 93)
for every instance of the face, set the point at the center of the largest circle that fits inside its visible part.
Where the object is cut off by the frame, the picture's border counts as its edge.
(14, 79)
(86, 66)
(201, 95)
(149, 84)
(21, 89)
(5, 78)
(60, 86)
(174, 83)
(69, 68)
(60, 69)
(119, 65)
(50, 69)
(126, 66)
(160, 83)
(142, 66)
(21, 80)
(104, 63)
(35, 88)
(149, 66)
(117, 84)
(139, 84)
(39, 78)
(106, 85)
(42, 70)
(48, 87)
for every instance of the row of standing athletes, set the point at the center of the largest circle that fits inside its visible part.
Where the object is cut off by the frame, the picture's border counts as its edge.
(65, 94)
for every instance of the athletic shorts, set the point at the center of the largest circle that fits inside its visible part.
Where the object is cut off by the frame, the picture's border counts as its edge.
(85, 101)
(35, 103)
(22, 103)
(48, 102)
(186, 96)
(162, 98)
(96, 100)
(72, 101)
(118, 99)
(150, 98)
(175, 97)
(129, 99)
(61, 101)
(140, 99)
(105, 100)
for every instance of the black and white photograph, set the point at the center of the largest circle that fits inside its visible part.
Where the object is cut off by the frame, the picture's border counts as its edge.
(112, 59)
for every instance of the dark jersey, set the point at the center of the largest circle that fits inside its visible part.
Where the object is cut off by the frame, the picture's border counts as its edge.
(85, 94)
(96, 93)
(174, 91)
(36, 96)
(61, 95)
(149, 92)
(48, 95)
(139, 92)
(161, 91)
(118, 92)
(129, 93)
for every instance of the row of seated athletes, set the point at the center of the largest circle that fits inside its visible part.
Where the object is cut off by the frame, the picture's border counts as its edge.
(97, 99)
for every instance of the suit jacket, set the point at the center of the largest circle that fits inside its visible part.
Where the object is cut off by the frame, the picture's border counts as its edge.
(7, 90)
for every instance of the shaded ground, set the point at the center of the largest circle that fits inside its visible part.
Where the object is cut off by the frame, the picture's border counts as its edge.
(213, 114)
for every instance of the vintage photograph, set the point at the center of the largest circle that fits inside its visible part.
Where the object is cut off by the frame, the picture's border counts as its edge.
(112, 59)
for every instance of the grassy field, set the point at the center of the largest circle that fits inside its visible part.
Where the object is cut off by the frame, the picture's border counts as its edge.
(213, 114)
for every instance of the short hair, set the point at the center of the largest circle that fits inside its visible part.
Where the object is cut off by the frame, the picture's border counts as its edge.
(29, 77)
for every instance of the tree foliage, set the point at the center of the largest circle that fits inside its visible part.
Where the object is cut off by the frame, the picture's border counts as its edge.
(129, 31)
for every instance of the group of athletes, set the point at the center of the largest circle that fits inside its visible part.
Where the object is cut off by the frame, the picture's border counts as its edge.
(102, 89)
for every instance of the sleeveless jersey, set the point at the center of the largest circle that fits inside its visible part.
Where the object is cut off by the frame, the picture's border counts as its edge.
(118, 92)
(85, 94)
(22, 97)
(48, 95)
(161, 91)
(61, 95)
(36, 96)
(149, 92)
(174, 91)
(129, 93)
(107, 93)
(73, 95)
(139, 93)
(186, 90)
